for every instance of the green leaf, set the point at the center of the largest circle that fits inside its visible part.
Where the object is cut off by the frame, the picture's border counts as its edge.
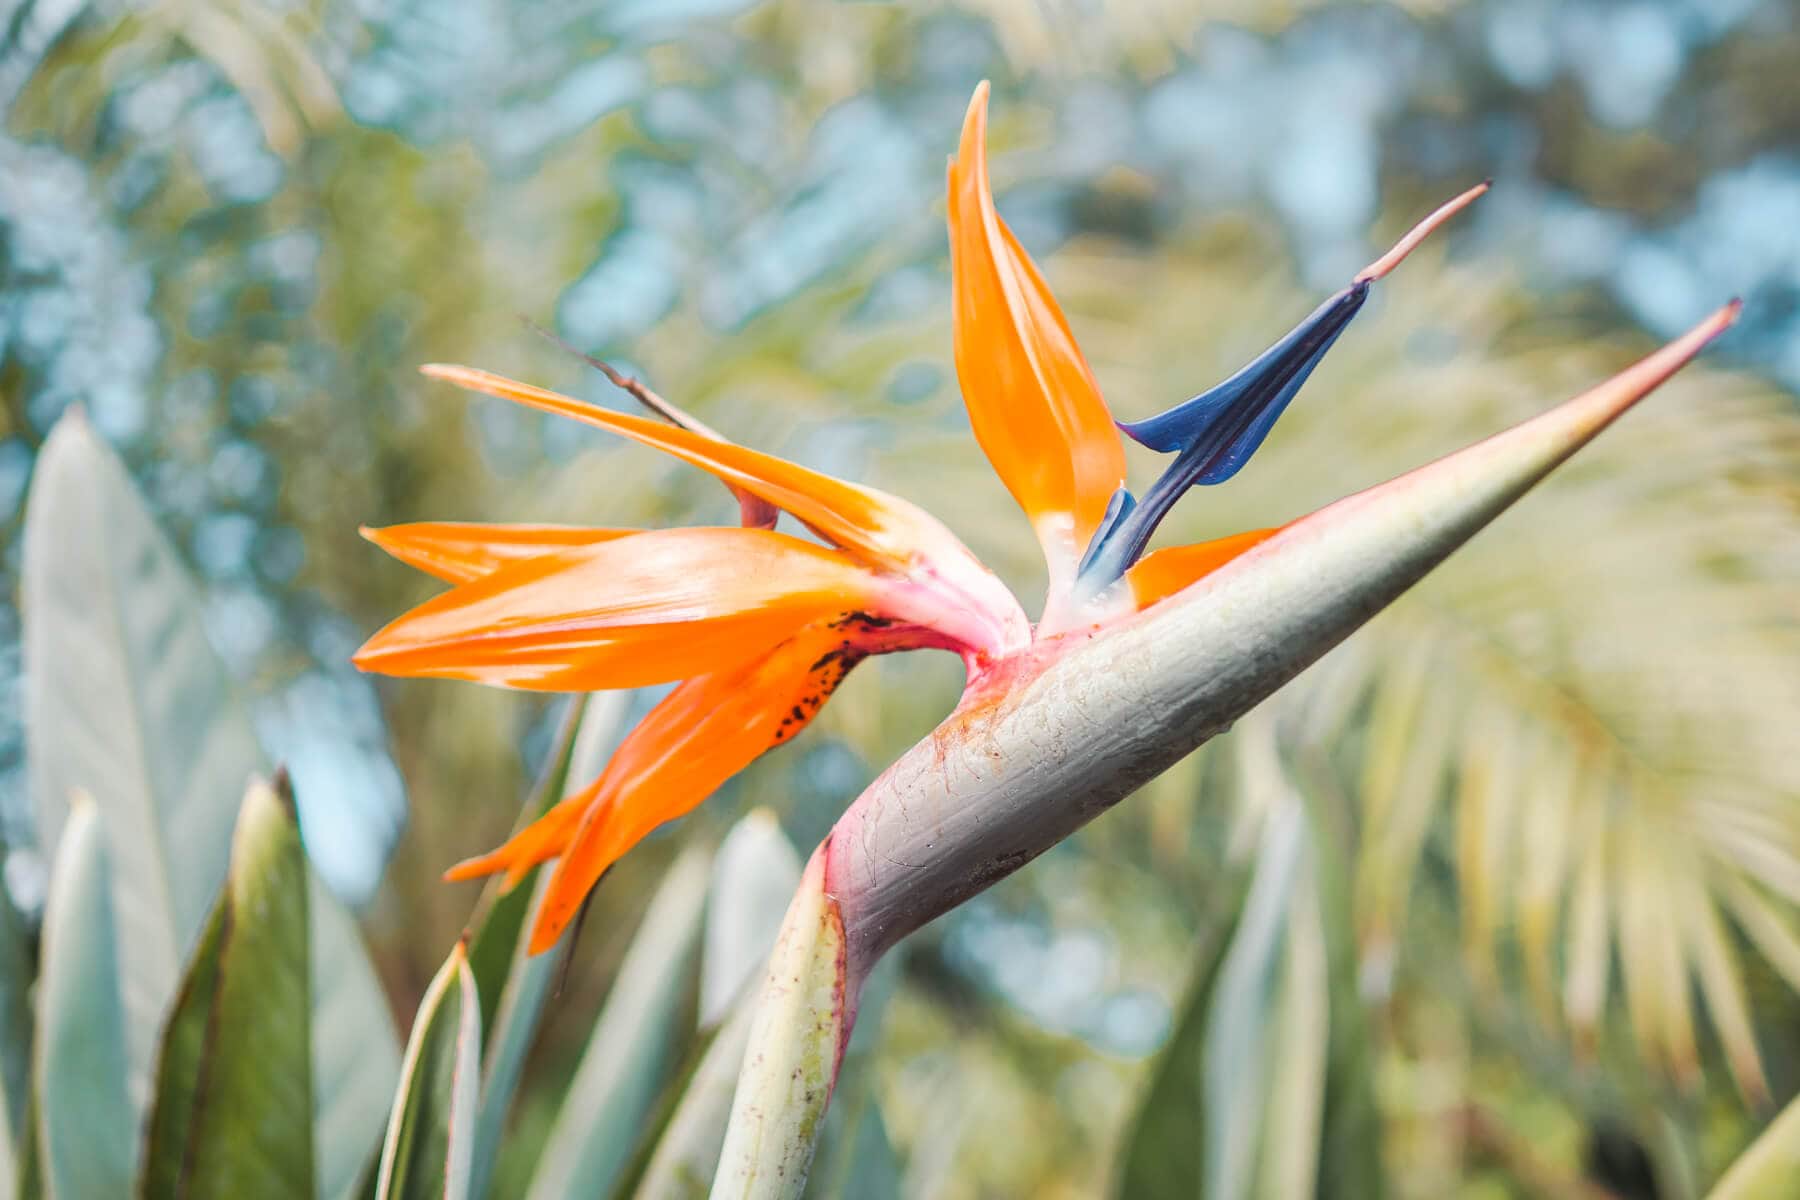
(1234, 1065)
(87, 1132)
(1289, 1169)
(520, 999)
(634, 1043)
(1768, 1169)
(27, 1178)
(1350, 1162)
(1162, 1150)
(430, 1133)
(855, 1156)
(512, 984)
(126, 700)
(492, 951)
(16, 970)
(355, 1052)
(1263, 1088)
(754, 876)
(233, 1107)
(753, 880)
(686, 1154)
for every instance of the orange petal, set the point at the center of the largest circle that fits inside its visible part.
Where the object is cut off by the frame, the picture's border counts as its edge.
(660, 606)
(1034, 405)
(703, 733)
(459, 551)
(880, 527)
(540, 841)
(1162, 573)
(885, 531)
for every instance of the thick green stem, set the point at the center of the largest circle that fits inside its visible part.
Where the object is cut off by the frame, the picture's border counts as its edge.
(800, 1024)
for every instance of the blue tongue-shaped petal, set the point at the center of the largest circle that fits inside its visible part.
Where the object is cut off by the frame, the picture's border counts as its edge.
(1213, 435)
(1222, 426)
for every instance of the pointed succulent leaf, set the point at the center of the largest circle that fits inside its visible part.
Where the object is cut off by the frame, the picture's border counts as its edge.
(430, 1131)
(87, 1133)
(232, 1110)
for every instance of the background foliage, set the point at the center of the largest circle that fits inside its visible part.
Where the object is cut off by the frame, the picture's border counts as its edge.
(1552, 841)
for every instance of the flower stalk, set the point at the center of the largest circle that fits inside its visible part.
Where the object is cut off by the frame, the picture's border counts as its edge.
(799, 1028)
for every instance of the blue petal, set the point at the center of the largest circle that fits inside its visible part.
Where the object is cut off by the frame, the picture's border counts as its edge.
(1233, 418)
(1213, 435)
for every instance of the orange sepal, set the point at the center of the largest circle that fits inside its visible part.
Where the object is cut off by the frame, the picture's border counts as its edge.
(703, 733)
(460, 551)
(1033, 402)
(885, 529)
(660, 606)
(1162, 573)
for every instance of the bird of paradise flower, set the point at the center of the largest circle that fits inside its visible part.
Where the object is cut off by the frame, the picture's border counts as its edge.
(760, 626)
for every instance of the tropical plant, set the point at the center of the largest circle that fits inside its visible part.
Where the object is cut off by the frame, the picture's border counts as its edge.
(205, 1020)
(1033, 750)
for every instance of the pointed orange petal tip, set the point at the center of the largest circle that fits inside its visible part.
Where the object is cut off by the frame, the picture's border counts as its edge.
(474, 868)
(538, 842)
(544, 936)
(975, 118)
(1033, 402)
(1418, 233)
(462, 551)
